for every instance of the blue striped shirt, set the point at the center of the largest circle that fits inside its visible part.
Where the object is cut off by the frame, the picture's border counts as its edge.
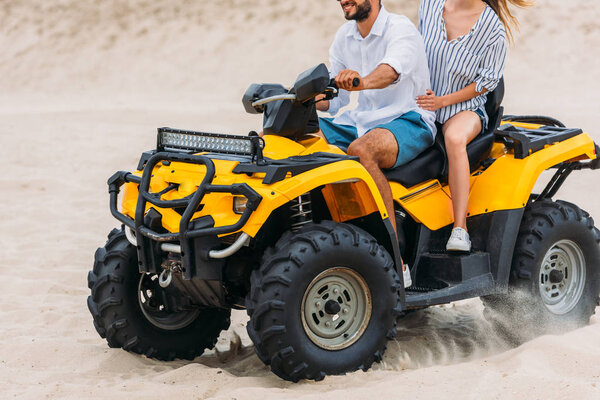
(477, 56)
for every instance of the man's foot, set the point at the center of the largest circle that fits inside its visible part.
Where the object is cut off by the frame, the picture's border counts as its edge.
(459, 240)
(406, 276)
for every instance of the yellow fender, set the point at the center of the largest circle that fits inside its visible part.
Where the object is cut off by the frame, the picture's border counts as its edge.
(349, 190)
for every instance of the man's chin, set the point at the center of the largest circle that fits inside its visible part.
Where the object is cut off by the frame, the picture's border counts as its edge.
(357, 14)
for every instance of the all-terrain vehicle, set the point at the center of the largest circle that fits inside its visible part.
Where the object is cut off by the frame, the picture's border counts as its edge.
(295, 231)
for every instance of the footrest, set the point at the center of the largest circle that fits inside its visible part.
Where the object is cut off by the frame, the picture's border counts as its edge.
(451, 268)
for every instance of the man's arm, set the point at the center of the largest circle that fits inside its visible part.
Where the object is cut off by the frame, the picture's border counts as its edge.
(381, 77)
(399, 61)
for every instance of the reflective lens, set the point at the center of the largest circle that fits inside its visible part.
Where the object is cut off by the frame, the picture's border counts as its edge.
(239, 204)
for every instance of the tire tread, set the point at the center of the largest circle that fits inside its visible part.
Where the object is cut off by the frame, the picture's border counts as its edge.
(272, 278)
(109, 281)
(542, 220)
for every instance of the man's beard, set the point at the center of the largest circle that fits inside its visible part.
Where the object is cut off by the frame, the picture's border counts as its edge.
(362, 12)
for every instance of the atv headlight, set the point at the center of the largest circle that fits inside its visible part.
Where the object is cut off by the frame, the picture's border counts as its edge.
(239, 204)
(175, 139)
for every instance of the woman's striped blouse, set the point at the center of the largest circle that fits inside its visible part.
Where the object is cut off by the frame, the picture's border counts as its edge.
(478, 56)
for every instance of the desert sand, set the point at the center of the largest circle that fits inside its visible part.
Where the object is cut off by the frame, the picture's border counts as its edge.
(83, 87)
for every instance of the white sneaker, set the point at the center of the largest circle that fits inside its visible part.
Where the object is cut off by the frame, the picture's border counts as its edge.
(406, 276)
(459, 241)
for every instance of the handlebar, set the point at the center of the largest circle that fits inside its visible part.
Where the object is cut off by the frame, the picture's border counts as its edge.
(287, 96)
(355, 83)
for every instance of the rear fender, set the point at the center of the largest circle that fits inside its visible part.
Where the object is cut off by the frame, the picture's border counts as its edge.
(508, 182)
(505, 185)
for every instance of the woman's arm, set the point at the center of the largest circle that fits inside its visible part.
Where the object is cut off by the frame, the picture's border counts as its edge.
(431, 102)
(489, 73)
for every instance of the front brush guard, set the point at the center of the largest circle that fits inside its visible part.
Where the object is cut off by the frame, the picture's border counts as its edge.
(148, 260)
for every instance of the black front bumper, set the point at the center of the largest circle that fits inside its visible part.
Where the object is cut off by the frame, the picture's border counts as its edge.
(197, 237)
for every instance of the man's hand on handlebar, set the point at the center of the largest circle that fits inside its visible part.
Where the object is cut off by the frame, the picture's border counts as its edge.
(348, 79)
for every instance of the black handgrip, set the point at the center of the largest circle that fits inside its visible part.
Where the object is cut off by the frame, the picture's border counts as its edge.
(355, 83)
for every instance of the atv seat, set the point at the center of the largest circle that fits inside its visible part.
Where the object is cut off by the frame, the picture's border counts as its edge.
(433, 162)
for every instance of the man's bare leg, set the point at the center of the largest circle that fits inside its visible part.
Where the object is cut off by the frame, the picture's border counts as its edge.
(378, 149)
(375, 152)
(320, 134)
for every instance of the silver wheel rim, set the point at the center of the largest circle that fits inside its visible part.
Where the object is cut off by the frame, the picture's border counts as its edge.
(562, 277)
(150, 297)
(336, 308)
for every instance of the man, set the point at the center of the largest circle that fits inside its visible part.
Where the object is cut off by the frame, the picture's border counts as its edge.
(387, 128)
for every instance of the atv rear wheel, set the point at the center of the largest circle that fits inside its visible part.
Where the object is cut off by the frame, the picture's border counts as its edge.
(555, 276)
(132, 311)
(324, 301)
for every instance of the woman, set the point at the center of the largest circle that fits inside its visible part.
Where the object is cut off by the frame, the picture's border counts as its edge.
(466, 44)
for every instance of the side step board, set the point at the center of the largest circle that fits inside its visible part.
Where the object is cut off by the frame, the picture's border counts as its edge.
(444, 277)
(474, 287)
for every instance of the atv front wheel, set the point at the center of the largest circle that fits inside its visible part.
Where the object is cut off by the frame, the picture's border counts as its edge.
(555, 276)
(324, 301)
(132, 311)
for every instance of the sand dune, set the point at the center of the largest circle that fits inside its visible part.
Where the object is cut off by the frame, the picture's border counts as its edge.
(84, 86)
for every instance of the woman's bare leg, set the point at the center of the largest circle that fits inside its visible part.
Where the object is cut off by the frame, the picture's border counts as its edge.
(458, 132)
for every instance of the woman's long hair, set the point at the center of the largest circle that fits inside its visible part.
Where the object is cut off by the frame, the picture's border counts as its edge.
(501, 9)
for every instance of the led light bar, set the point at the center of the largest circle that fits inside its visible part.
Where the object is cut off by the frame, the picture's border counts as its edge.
(180, 140)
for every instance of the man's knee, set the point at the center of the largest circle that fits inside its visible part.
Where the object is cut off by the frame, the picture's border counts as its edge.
(358, 149)
(380, 147)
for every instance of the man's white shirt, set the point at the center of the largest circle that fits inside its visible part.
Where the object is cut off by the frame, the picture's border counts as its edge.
(395, 41)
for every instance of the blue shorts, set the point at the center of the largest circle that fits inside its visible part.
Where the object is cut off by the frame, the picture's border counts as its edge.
(480, 113)
(411, 132)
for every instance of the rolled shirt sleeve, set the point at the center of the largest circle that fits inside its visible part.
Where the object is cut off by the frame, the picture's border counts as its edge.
(401, 53)
(491, 66)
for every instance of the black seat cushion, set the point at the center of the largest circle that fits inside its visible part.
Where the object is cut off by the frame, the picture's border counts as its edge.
(433, 162)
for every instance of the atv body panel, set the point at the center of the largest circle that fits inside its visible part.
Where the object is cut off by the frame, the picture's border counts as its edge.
(333, 168)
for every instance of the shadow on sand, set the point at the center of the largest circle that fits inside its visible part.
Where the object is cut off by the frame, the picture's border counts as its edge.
(435, 336)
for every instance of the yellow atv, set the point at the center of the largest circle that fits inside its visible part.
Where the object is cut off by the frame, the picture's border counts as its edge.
(295, 231)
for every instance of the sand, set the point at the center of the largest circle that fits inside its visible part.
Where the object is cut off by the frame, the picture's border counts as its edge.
(83, 87)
